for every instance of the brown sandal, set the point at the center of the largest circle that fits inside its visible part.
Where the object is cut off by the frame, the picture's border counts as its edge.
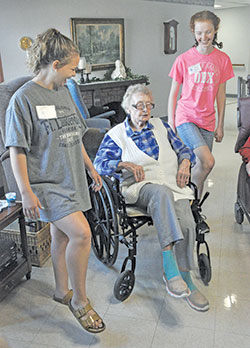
(87, 321)
(65, 300)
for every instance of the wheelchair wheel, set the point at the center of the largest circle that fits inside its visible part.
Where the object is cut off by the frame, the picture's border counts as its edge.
(238, 213)
(204, 268)
(104, 226)
(124, 285)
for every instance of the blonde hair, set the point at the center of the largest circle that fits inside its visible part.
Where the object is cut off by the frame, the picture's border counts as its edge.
(133, 89)
(48, 47)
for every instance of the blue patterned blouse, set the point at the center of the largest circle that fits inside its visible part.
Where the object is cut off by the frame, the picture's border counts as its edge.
(109, 153)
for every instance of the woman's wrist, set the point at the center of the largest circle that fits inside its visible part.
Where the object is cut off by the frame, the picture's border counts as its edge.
(186, 160)
(25, 190)
(92, 169)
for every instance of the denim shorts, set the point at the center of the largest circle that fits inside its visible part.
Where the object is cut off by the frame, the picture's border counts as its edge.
(194, 137)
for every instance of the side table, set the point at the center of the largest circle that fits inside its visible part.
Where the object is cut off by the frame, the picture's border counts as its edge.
(12, 275)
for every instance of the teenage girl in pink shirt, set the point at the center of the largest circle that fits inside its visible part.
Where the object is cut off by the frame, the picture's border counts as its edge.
(202, 71)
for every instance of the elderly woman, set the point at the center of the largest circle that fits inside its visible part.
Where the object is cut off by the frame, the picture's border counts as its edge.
(155, 168)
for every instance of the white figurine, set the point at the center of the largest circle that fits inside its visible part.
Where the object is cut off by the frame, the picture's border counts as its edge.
(119, 71)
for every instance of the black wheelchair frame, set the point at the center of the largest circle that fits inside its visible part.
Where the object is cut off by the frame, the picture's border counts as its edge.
(110, 212)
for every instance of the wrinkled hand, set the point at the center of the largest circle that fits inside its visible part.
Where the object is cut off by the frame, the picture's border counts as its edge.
(137, 170)
(31, 204)
(183, 173)
(218, 134)
(97, 180)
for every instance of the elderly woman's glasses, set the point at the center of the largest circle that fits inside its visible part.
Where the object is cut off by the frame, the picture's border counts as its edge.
(142, 106)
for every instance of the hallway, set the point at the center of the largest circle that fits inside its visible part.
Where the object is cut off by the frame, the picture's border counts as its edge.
(150, 318)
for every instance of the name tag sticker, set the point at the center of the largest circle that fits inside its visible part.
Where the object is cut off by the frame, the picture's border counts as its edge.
(194, 69)
(46, 112)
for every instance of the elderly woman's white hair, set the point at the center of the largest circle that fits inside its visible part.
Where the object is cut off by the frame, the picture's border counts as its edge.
(134, 89)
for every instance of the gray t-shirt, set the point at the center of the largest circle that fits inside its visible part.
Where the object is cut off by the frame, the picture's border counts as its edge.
(50, 128)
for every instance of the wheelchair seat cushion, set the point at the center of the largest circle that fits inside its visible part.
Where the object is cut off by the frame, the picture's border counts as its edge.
(134, 211)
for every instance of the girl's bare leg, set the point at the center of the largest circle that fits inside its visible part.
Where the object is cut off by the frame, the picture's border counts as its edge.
(204, 164)
(76, 228)
(58, 251)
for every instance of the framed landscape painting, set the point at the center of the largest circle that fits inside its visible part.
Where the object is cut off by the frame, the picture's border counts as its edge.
(100, 41)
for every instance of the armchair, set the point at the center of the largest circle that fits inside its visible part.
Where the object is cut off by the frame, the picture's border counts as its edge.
(6, 92)
(102, 120)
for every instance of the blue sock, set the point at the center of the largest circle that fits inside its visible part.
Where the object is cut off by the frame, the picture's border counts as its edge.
(186, 276)
(169, 264)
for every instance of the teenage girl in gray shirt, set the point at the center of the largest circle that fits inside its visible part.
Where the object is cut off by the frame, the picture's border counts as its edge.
(44, 133)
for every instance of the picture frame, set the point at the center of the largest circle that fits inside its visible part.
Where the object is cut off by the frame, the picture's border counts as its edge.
(100, 40)
(170, 36)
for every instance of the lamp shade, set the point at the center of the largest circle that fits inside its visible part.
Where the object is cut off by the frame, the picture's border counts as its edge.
(82, 63)
(88, 68)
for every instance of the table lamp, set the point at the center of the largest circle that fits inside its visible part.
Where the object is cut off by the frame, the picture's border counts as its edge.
(88, 70)
(81, 67)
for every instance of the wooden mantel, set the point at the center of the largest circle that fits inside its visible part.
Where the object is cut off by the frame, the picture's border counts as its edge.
(102, 92)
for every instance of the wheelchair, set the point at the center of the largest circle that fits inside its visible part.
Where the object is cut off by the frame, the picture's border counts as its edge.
(242, 204)
(112, 221)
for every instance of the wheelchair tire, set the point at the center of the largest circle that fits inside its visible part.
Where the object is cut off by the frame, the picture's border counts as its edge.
(103, 222)
(238, 213)
(124, 285)
(204, 268)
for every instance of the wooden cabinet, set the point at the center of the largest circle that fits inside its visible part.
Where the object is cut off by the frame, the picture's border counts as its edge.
(10, 277)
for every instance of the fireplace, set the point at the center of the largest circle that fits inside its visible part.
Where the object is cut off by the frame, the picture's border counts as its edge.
(105, 92)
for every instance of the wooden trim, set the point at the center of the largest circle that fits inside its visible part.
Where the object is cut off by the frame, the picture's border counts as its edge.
(242, 65)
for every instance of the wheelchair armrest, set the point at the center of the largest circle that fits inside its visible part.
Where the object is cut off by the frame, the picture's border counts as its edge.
(107, 114)
(194, 188)
(101, 123)
(5, 155)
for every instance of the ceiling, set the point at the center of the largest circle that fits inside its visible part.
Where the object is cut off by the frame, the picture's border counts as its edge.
(218, 3)
(230, 3)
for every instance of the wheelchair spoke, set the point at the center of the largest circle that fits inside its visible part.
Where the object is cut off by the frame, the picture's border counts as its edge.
(97, 245)
(104, 226)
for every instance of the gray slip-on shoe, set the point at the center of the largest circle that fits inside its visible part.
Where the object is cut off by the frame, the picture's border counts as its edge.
(176, 286)
(198, 301)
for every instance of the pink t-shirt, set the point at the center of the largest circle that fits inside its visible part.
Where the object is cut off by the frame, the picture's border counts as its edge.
(200, 76)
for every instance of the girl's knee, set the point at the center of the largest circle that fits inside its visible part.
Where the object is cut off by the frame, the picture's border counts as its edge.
(83, 235)
(208, 164)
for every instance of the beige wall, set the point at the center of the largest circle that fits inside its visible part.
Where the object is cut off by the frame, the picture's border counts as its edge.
(234, 33)
(143, 33)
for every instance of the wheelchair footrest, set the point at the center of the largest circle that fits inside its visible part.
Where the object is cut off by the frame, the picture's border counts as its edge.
(202, 227)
